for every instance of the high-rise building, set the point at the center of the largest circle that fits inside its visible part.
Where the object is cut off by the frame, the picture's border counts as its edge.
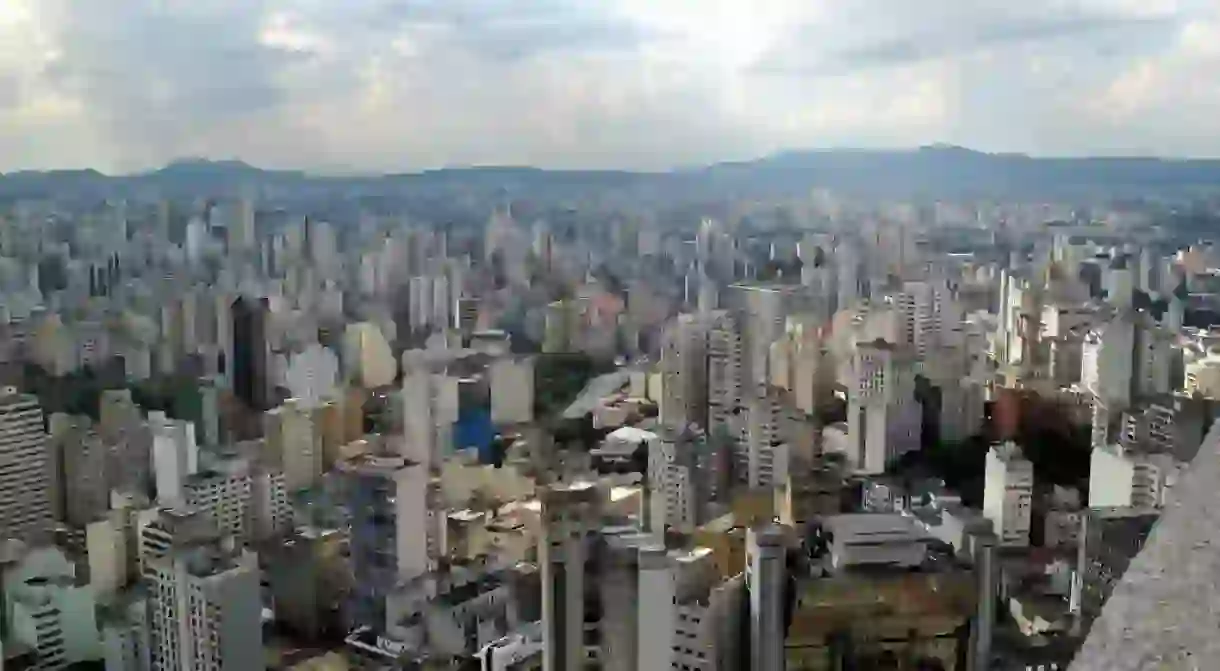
(763, 454)
(1108, 361)
(248, 365)
(204, 605)
(724, 374)
(294, 444)
(175, 456)
(684, 376)
(883, 417)
(1008, 493)
(241, 500)
(687, 476)
(26, 475)
(82, 487)
(386, 496)
(571, 517)
(767, 580)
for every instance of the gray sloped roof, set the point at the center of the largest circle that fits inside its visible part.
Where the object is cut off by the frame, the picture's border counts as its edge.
(1164, 615)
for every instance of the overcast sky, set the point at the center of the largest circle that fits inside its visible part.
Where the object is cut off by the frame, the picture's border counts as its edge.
(375, 85)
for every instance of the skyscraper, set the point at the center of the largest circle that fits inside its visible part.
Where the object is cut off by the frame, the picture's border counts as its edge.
(884, 419)
(25, 467)
(386, 498)
(571, 514)
(248, 365)
(204, 605)
(767, 575)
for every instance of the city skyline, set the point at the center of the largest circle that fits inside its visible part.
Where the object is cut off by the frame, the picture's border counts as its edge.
(385, 86)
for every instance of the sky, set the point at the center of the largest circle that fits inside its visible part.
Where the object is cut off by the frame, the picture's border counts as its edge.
(391, 85)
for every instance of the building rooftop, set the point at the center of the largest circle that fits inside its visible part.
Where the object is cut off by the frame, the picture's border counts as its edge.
(631, 434)
(871, 524)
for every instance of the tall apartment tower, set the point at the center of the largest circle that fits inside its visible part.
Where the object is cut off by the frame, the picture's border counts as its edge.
(26, 476)
(1009, 486)
(684, 376)
(294, 444)
(175, 455)
(571, 516)
(767, 577)
(884, 419)
(204, 606)
(724, 355)
(81, 487)
(387, 499)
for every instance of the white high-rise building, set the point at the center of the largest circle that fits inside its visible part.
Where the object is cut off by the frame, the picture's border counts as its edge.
(683, 611)
(884, 420)
(26, 478)
(430, 409)
(175, 456)
(1008, 493)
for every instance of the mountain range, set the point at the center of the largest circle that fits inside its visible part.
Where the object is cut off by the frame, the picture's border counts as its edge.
(938, 171)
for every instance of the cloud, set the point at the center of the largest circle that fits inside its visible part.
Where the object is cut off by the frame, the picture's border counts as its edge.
(398, 84)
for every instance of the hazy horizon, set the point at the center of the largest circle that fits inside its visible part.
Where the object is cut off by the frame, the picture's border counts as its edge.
(377, 86)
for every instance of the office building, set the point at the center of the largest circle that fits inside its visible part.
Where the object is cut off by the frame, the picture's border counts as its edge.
(247, 367)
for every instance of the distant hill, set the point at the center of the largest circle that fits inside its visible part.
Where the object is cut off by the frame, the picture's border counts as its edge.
(938, 171)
